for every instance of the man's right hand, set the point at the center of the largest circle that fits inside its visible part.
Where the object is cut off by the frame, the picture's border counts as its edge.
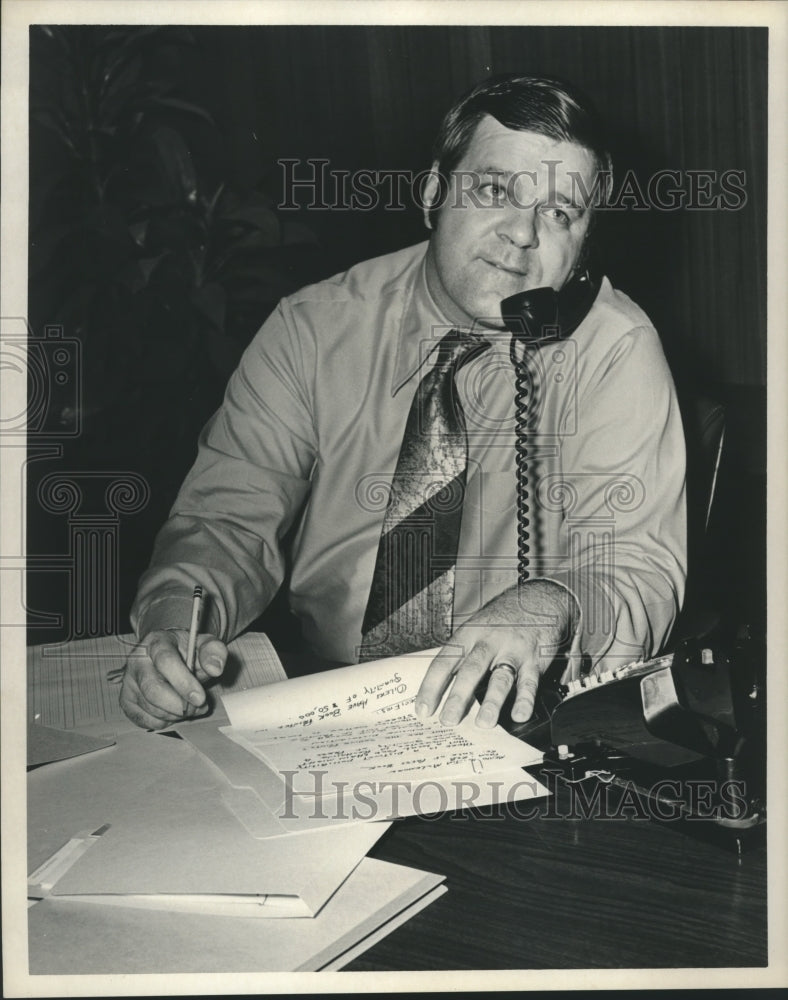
(159, 689)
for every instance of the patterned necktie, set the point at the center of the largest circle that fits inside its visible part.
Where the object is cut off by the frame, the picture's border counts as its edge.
(412, 593)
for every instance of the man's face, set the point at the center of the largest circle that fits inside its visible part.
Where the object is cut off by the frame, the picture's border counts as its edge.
(511, 222)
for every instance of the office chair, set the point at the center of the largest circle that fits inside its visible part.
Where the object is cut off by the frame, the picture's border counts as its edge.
(704, 433)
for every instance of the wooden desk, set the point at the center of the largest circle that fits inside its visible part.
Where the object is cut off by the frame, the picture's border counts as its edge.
(557, 893)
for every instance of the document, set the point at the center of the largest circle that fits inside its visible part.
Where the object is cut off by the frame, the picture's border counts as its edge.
(45, 745)
(176, 846)
(358, 722)
(84, 793)
(345, 745)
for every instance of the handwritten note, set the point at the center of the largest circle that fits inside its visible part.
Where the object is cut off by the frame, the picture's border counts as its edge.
(358, 722)
(362, 690)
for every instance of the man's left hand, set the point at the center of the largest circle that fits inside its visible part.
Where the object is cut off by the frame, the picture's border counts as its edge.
(524, 627)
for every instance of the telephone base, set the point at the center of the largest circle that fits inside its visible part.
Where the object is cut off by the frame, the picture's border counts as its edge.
(699, 799)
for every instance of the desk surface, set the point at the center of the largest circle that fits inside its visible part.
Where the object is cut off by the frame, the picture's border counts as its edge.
(558, 893)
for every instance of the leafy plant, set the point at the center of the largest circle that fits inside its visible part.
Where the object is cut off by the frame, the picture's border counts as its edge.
(138, 245)
(141, 249)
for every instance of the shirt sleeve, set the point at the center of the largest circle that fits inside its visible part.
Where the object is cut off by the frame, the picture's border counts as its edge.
(249, 481)
(622, 488)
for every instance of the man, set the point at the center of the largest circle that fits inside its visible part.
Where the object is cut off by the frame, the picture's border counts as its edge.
(317, 426)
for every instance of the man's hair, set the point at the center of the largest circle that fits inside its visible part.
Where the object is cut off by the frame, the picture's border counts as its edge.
(525, 104)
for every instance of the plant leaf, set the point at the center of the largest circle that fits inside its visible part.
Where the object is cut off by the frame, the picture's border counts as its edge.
(138, 231)
(258, 217)
(148, 264)
(55, 122)
(176, 161)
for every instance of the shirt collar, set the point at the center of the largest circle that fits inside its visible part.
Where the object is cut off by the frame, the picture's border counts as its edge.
(422, 328)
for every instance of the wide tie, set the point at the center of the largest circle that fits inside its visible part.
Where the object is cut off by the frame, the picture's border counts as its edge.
(412, 592)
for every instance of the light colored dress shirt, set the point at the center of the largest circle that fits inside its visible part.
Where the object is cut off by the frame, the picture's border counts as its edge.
(309, 434)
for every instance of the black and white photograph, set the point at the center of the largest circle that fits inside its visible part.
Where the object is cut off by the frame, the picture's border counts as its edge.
(393, 496)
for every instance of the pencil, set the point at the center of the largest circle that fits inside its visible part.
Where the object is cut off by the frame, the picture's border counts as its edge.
(196, 605)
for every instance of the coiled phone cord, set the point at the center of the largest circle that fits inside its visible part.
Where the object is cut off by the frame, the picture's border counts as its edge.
(543, 315)
(551, 688)
(522, 398)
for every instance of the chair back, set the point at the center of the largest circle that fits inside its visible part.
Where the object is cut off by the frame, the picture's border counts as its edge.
(704, 433)
(705, 437)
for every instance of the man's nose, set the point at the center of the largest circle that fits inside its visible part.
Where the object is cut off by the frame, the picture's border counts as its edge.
(518, 226)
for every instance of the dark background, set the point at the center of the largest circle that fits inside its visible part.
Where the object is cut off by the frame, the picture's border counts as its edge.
(121, 187)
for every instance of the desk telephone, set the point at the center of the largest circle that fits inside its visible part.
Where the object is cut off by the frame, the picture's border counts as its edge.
(692, 714)
(663, 728)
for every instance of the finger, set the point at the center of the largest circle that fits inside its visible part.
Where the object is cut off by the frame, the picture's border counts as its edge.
(527, 685)
(132, 693)
(211, 657)
(194, 712)
(436, 680)
(466, 679)
(151, 716)
(498, 688)
(171, 679)
(142, 719)
(137, 714)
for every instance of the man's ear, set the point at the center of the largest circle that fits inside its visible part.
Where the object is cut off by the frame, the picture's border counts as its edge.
(430, 196)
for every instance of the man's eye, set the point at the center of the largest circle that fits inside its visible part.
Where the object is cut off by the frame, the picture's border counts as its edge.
(492, 189)
(557, 214)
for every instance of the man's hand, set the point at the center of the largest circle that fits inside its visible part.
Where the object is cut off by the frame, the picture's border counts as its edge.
(159, 689)
(524, 626)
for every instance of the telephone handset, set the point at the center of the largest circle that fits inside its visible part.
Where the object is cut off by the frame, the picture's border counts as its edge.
(544, 314)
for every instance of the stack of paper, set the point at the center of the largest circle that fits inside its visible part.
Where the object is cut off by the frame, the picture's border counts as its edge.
(376, 898)
(177, 847)
(140, 854)
(172, 869)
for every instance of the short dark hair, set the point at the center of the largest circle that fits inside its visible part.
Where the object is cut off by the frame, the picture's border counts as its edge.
(525, 104)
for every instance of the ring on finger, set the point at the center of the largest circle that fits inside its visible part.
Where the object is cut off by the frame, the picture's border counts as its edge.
(507, 666)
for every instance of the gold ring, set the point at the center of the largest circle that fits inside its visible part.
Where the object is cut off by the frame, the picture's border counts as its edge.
(505, 665)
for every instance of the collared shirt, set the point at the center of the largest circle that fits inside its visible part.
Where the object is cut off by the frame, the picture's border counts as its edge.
(310, 431)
